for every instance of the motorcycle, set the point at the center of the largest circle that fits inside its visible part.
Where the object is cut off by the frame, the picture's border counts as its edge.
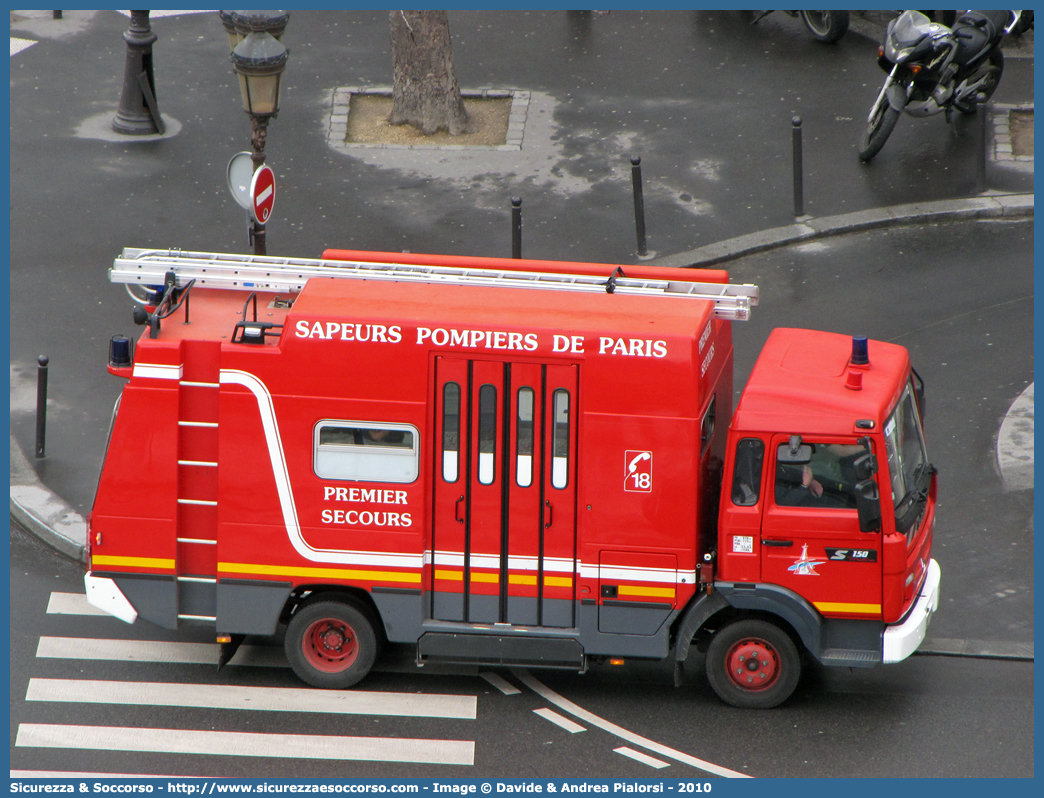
(825, 26)
(933, 68)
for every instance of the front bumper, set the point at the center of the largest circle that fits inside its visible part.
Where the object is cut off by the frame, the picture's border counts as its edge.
(902, 639)
(104, 594)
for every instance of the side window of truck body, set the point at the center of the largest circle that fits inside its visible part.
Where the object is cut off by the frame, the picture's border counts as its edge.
(366, 451)
(450, 432)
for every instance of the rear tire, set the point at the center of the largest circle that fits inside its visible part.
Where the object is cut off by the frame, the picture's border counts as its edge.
(826, 26)
(877, 131)
(330, 644)
(753, 664)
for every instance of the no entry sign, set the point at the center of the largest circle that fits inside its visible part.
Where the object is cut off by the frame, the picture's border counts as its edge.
(262, 194)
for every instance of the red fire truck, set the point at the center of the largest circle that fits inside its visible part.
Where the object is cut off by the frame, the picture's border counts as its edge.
(507, 462)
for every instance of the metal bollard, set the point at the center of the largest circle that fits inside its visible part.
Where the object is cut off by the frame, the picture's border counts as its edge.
(56, 14)
(516, 227)
(799, 202)
(639, 204)
(41, 404)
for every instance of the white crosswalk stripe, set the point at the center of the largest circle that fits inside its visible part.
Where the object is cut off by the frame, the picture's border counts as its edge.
(72, 604)
(17, 45)
(214, 743)
(86, 648)
(268, 699)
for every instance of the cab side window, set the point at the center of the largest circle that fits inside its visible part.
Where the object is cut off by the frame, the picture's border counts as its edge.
(746, 474)
(823, 477)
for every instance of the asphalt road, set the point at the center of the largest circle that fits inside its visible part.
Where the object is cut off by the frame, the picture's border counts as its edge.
(894, 721)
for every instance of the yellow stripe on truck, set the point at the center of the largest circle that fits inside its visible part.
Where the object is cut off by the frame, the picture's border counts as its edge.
(834, 606)
(322, 573)
(136, 562)
(658, 592)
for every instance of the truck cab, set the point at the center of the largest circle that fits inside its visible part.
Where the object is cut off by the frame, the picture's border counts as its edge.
(828, 501)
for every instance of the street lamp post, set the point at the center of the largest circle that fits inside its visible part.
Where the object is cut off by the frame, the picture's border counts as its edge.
(258, 58)
(138, 114)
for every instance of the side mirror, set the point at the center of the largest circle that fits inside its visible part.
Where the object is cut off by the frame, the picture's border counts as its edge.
(868, 505)
(865, 466)
(794, 451)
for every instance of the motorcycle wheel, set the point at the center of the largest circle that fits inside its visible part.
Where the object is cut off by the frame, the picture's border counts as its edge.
(996, 69)
(877, 131)
(826, 26)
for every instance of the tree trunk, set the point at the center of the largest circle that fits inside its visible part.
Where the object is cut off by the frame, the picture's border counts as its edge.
(425, 93)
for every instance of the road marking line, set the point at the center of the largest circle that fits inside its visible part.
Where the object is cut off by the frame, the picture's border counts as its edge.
(558, 720)
(266, 699)
(635, 739)
(645, 759)
(502, 684)
(276, 746)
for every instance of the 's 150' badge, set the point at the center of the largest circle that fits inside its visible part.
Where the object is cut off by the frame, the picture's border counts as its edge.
(852, 555)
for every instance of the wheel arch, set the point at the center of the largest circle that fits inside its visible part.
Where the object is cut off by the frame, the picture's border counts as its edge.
(357, 597)
(799, 617)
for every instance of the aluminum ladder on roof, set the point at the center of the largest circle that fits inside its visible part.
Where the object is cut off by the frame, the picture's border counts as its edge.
(266, 273)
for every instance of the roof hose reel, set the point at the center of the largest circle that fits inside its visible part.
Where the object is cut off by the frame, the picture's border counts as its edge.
(170, 299)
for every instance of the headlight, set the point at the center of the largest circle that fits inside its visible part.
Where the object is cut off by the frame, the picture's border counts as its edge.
(897, 56)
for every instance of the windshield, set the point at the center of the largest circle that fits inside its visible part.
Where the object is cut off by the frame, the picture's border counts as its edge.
(907, 460)
(909, 28)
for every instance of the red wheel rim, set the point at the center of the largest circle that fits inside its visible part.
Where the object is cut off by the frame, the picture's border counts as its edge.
(330, 645)
(753, 665)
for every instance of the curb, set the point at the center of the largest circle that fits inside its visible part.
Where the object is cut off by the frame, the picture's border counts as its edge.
(43, 513)
(1007, 206)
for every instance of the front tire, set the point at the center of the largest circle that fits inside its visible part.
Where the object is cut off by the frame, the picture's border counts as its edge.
(330, 644)
(826, 26)
(878, 129)
(753, 664)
